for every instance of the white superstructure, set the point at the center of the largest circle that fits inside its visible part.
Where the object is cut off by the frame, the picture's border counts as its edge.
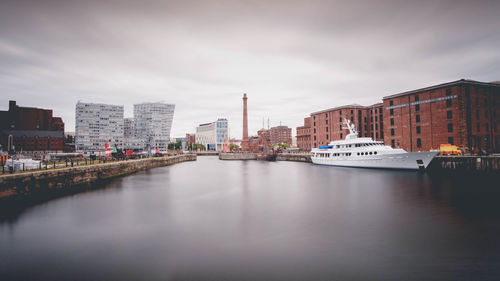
(97, 124)
(367, 153)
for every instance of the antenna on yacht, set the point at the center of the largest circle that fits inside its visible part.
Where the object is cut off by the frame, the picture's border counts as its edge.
(351, 127)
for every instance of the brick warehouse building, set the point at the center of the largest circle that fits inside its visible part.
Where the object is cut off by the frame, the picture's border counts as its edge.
(32, 129)
(328, 125)
(304, 135)
(462, 112)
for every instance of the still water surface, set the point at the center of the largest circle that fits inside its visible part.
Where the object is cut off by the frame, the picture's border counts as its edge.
(252, 220)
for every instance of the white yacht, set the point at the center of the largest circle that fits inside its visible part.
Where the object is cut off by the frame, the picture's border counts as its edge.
(367, 153)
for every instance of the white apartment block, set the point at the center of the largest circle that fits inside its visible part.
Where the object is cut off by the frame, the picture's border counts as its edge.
(213, 135)
(97, 124)
(153, 122)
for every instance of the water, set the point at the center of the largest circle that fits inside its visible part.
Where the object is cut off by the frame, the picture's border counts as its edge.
(253, 220)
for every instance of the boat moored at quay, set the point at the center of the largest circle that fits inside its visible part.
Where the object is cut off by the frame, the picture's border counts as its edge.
(354, 151)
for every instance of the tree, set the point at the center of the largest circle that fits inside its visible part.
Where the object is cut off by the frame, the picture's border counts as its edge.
(178, 145)
(171, 146)
(233, 147)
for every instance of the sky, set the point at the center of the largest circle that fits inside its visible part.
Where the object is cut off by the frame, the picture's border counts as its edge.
(290, 57)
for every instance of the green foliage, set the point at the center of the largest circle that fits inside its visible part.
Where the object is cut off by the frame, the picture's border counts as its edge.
(178, 145)
(171, 146)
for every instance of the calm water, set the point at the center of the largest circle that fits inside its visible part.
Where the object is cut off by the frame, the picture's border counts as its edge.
(236, 220)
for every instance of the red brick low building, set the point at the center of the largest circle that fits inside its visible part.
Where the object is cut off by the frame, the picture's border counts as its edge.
(31, 129)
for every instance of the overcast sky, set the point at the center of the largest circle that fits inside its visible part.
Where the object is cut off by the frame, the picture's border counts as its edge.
(291, 57)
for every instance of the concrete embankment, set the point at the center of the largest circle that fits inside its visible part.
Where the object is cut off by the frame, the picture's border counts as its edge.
(238, 156)
(28, 183)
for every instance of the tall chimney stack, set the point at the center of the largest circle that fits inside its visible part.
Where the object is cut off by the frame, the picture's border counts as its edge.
(245, 118)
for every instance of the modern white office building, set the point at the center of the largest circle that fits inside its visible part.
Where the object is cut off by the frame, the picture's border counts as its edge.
(152, 124)
(213, 135)
(97, 124)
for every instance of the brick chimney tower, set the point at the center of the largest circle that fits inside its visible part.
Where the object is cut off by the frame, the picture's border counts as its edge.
(244, 141)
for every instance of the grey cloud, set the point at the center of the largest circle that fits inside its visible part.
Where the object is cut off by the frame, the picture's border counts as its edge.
(291, 57)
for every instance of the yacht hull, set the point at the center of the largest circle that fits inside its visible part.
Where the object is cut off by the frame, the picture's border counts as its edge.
(405, 161)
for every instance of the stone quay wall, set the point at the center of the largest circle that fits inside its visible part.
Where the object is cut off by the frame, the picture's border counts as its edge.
(47, 180)
(238, 156)
(297, 157)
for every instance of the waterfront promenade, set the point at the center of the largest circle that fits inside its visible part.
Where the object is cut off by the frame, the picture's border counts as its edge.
(42, 181)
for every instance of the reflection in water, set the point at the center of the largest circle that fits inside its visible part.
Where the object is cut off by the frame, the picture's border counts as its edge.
(253, 220)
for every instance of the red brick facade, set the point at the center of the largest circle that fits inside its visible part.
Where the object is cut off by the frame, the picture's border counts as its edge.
(464, 112)
(328, 125)
(304, 135)
(32, 129)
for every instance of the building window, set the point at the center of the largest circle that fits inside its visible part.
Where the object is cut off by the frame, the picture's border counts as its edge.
(448, 92)
(393, 144)
(315, 139)
(418, 129)
(376, 126)
(486, 113)
(392, 132)
(487, 127)
(417, 118)
(315, 130)
(352, 119)
(376, 119)
(450, 128)
(340, 119)
(352, 111)
(450, 140)
(340, 135)
(392, 121)
(326, 121)
(327, 129)
(341, 127)
(479, 127)
(365, 119)
(477, 101)
(416, 98)
(371, 119)
(448, 103)
(391, 102)
(391, 111)
(375, 111)
(327, 136)
(376, 135)
(417, 107)
(419, 142)
(449, 114)
(326, 115)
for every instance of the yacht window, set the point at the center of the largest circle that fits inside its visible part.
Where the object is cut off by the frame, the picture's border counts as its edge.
(375, 153)
(370, 153)
(358, 153)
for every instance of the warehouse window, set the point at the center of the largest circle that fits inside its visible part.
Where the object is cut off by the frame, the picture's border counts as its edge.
(448, 92)
(392, 121)
(449, 114)
(416, 98)
(419, 142)
(391, 102)
(393, 144)
(391, 111)
(417, 107)
(479, 127)
(392, 132)
(450, 128)
(450, 140)
(417, 118)
(418, 129)
(448, 103)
